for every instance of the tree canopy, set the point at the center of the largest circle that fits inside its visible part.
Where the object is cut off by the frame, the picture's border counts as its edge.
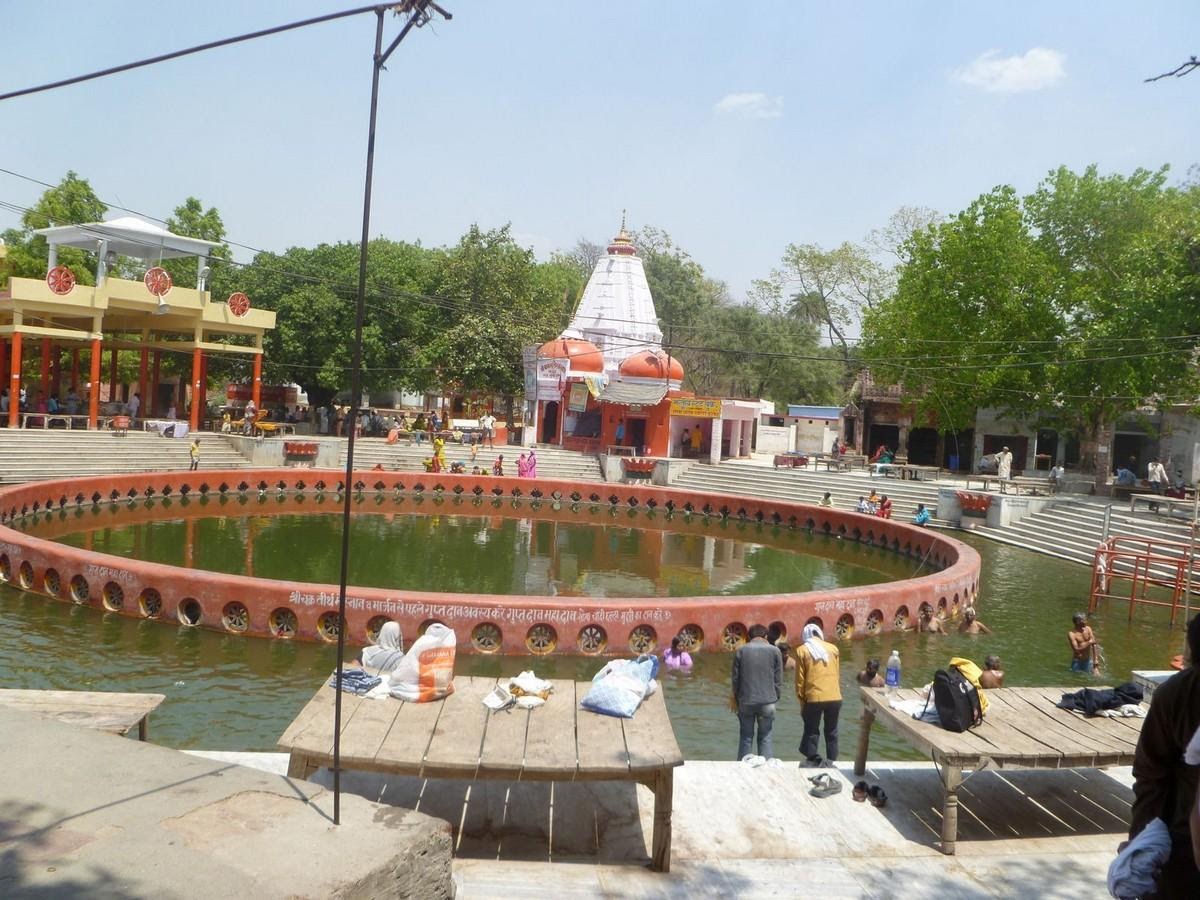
(1069, 306)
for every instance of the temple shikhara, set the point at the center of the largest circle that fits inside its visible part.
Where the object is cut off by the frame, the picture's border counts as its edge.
(60, 318)
(607, 384)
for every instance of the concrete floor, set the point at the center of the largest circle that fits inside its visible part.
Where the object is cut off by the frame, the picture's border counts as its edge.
(757, 832)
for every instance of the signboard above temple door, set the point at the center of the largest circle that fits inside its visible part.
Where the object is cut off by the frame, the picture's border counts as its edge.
(696, 407)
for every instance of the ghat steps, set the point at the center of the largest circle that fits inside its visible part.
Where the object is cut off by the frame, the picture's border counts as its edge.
(552, 463)
(1074, 526)
(34, 454)
(803, 486)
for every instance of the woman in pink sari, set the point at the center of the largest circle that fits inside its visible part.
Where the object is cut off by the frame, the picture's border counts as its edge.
(522, 467)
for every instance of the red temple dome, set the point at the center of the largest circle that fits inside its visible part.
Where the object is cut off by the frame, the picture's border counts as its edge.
(652, 364)
(584, 356)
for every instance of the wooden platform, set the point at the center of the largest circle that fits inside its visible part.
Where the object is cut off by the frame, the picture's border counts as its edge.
(102, 710)
(1023, 729)
(460, 738)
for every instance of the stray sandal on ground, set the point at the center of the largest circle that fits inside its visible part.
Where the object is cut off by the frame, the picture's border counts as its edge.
(825, 786)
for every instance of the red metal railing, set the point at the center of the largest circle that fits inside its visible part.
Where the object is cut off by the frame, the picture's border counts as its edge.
(1142, 571)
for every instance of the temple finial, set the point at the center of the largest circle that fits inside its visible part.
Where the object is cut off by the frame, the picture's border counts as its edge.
(622, 221)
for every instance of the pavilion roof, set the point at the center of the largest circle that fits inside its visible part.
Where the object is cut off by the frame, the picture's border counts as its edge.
(127, 236)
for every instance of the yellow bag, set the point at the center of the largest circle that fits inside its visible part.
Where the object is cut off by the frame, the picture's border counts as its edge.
(971, 672)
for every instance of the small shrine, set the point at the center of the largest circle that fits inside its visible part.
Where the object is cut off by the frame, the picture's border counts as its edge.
(606, 384)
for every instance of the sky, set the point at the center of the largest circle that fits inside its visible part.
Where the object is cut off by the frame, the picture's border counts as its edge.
(738, 128)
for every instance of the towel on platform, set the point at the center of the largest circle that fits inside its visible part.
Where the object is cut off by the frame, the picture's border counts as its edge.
(918, 709)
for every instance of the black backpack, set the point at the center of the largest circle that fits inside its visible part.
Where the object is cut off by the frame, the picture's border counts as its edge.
(956, 701)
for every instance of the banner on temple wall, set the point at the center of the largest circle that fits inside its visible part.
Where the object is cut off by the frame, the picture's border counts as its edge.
(577, 400)
(696, 407)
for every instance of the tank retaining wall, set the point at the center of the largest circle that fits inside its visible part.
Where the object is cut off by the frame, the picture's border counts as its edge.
(484, 623)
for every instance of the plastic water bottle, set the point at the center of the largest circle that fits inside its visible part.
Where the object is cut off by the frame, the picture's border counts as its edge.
(892, 679)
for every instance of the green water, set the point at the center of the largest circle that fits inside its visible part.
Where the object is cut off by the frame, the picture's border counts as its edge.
(234, 693)
(494, 547)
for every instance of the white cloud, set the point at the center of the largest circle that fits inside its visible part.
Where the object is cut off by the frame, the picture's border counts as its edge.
(750, 105)
(1039, 68)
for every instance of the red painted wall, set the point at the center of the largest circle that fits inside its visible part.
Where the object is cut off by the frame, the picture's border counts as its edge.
(506, 624)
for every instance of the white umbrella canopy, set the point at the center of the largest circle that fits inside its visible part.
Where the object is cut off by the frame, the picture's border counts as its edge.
(127, 236)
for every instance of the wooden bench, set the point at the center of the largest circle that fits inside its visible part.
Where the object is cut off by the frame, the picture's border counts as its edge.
(790, 460)
(1121, 491)
(1160, 500)
(459, 737)
(102, 710)
(621, 450)
(1022, 729)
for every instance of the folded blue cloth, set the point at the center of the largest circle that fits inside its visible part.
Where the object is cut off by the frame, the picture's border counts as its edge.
(356, 681)
(1131, 874)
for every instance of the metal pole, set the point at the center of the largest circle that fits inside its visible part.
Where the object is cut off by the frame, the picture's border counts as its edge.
(352, 419)
(417, 10)
(1191, 561)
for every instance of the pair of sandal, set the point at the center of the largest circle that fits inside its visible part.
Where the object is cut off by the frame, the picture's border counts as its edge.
(825, 785)
(874, 793)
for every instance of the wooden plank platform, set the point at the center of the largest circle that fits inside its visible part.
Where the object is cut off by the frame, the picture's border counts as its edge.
(108, 711)
(1022, 729)
(458, 737)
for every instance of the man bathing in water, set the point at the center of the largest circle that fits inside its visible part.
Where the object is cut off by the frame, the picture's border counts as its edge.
(1085, 649)
(870, 676)
(929, 623)
(971, 625)
(993, 673)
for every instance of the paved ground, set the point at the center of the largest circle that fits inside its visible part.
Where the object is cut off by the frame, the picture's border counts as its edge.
(757, 833)
(88, 814)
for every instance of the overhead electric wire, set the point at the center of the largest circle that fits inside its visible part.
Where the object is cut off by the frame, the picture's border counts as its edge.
(188, 51)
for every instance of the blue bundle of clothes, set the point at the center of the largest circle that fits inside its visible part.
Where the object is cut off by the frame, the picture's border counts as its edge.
(356, 681)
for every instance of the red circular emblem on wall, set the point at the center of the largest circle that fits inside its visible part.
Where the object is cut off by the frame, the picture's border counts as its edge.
(239, 304)
(158, 281)
(60, 280)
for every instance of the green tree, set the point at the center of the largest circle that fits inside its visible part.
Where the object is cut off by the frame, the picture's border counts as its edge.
(831, 289)
(313, 292)
(493, 300)
(71, 202)
(191, 219)
(1065, 307)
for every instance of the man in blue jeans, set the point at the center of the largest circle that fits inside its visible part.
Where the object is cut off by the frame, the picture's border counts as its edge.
(757, 682)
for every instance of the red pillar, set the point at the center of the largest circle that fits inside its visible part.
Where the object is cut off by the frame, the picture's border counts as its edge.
(256, 387)
(3, 356)
(94, 393)
(153, 399)
(44, 360)
(14, 382)
(55, 372)
(197, 367)
(203, 390)
(143, 365)
(75, 370)
(112, 381)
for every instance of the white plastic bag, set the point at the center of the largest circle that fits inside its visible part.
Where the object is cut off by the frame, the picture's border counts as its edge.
(427, 670)
(619, 688)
